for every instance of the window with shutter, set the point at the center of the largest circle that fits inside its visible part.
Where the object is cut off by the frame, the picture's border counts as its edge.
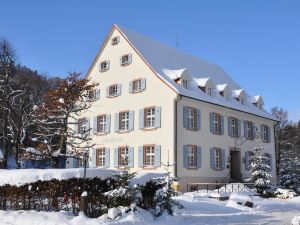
(124, 121)
(218, 158)
(125, 60)
(101, 124)
(192, 156)
(149, 155)
(115, 40)
(123, 159)
(104, 66)
(100, 157)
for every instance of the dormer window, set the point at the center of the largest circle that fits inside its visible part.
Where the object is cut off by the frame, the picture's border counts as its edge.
(125, 60)
(115, 40)
(104, 66)
(185, 84)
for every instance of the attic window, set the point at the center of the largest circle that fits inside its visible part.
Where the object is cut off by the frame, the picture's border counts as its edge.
(104, 66)
(115, 40)
(185, 84)
(125, 60)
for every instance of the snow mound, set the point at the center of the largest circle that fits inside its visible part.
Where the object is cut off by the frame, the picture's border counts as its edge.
(296, 220)
(240, 199)
(285, 193)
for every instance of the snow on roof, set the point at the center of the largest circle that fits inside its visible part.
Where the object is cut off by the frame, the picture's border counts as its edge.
(238, 93)
(256, 99)
(168, 63)
(202, 82)
(222, 87)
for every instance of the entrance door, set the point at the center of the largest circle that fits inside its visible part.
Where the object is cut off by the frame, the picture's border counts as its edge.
(235, 165)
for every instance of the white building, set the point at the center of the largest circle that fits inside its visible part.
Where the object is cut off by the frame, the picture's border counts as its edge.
(156, 105)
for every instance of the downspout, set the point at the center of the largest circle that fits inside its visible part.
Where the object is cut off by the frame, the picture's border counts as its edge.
(276, 149)
(176, 100)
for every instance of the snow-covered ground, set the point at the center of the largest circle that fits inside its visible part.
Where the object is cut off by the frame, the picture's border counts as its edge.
(199, 209)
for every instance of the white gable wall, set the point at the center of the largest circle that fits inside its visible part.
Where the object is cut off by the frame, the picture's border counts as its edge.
(157, 94)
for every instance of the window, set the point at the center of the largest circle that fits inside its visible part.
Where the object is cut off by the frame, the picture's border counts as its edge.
(233, 127)
(136, 85)
(149, 156)
(217, 123)
(192, 156)
(115, 40)
(113, 90)
(218, 158)
(249, 130)
(251, 158)
(191, 118)
(101, 124)
(209, 91)
(149, 117)
(123, 156)
(125, 59)
(185, 84)
(82, 125)
(104, 66)
(92, 95)
(124, 121)
(266, 133)
(100, 157)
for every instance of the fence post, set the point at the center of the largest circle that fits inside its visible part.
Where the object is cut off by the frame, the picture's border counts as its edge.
(83, 205)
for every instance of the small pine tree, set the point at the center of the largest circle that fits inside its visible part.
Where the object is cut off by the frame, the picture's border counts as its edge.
(259, 171)
(288, 177)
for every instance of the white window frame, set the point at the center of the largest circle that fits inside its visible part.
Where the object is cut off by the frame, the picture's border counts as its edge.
(101, 157)
(234, 127)
(218, 158)
(113, 90)
(217, 123)
(101, 123)
(192, 156)
(149, 156)
(115, 40)
(249, 130)
(149, 117)
(104, 66)
(124, 121)
(128, 61)
(136, 85)
(123, 159)
(191, 118)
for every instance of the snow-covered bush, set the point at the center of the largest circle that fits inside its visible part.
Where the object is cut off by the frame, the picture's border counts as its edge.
(288, 176)
(284, 193)
(259, 173)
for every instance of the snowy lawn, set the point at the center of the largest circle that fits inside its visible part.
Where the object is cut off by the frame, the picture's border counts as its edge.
(199, 209)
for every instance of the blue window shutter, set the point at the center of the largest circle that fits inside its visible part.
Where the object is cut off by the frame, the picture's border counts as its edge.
(198, 119)
(141, 156)
(129, 58)
(116, 157)
(116, 124)
(271, 164)
(223, 158)
(75, 163)
(157, 159)
(212, 158)
(262, 131)
(254, 130)
(238, 128)
(97, 94)
(95, 124)
(229, 126)
(143, 84)
(211, 120)
(199, 151)
(131, 120)
(131, 157)
(107, 128)
(247, 160)
(87, 124)
(270, 133)
(107, 92)
(185, 156)
(185, 117)
(222, 124)
(157, 117)
(245, 129)
(94, 157)
(141, 119)
(119, 90)
(107, 157)
(130, 87)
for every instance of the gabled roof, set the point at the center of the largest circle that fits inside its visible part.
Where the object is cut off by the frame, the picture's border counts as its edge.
(238, 93)
(256, 99)
(169, 63)
(202, 82)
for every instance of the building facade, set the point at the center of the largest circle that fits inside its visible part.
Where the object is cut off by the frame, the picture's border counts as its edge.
(155, 106)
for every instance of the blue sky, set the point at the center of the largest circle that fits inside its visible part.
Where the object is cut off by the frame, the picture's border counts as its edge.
(256, 42)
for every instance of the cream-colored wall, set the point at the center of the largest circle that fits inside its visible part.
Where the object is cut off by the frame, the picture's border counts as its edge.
(156, 94)
(207, 140)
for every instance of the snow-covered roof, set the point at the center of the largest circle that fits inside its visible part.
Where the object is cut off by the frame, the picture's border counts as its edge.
(169, 63)
(222, 87)
(256, 99)
(202, 82)
(238, 93)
